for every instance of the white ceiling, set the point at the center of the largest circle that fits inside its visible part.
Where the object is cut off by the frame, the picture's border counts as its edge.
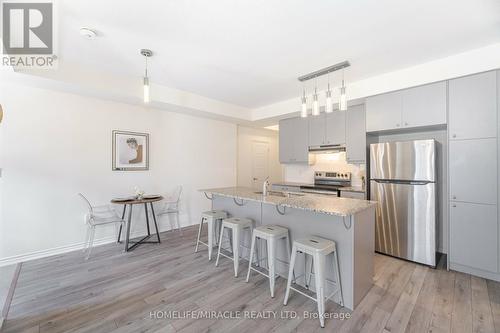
(250, 53)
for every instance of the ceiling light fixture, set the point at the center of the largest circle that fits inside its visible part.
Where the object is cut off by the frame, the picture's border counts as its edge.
(88, 33)
(303, 110)
(329, 104)
(147, 94)
(315, 110)
(343, 97)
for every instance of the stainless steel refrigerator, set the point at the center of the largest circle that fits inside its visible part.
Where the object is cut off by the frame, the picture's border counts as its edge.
(403, 182)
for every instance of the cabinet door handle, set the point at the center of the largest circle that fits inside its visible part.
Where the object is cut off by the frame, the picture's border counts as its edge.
(453, 205)
(406, 124)
(454, 197)
(454, 135)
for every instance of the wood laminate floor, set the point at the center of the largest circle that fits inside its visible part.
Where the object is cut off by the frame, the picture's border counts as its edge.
(117, 292)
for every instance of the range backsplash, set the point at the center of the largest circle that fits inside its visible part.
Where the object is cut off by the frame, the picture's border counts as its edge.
(324, 162)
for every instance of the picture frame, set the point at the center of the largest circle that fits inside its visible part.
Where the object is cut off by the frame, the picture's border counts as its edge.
(130, 151)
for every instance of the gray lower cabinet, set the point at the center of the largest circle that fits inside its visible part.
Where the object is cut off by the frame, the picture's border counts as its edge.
(473, 106)
(355, 134)
(473, 237)
(353, 195)
(293, 140)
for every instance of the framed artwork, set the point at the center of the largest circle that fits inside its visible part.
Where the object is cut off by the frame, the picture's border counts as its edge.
(130, 151)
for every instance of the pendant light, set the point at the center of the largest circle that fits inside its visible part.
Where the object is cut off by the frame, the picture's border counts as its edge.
(329, 105)
(303, 110)
(315, 110)
(343, 97)
(146, 88)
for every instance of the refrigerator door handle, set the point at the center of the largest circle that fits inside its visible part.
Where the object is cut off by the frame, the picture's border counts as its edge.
(407, 182)
(423, 182)
(382, 181)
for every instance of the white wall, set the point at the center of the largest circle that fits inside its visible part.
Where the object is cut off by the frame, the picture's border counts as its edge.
(54, 145)
(246, 137)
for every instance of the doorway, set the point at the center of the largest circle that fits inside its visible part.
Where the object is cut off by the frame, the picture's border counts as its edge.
(260, 163)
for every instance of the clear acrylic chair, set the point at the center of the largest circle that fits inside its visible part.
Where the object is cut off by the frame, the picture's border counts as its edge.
(98, 216)
(171, 208)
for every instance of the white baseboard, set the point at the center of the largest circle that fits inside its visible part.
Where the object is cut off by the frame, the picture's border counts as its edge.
(475, 272)
(68, 248)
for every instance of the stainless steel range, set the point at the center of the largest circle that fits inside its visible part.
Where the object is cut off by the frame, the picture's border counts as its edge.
(328, 182)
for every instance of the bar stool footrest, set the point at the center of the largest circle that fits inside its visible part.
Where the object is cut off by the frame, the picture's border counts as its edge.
(332, 294)
(304, 291)
(262, 271)
(227, 254)
(203, 243)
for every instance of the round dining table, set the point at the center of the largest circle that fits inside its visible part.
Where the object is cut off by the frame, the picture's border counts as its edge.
(130, 202)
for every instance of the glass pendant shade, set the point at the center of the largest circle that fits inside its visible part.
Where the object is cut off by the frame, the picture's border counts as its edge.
(303, 107)
(315, 109)
(147, 97)
(343, 98)
(329, 105)
(303, 110)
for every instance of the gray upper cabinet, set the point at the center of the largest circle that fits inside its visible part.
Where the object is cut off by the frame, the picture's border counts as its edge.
(301, 144)
(335, 128)
(327, 129)
(383, 112)
(294, 137)
(424, 105)
(317, 130)
(355, 134)
(472, 102)
(414, 107)
(286, 140)
(473, 170)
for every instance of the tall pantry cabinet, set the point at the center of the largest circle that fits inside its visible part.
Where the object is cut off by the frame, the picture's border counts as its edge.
(473, 103)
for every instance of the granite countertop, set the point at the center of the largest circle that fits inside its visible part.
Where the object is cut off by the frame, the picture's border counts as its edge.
(359, 189)
(321, 204)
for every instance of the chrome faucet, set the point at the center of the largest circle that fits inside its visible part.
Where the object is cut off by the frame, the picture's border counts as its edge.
(264, 187)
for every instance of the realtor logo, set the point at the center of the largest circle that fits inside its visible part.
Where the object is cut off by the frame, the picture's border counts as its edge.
(28, 34)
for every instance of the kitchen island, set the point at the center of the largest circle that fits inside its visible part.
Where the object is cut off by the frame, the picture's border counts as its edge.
(348, 222)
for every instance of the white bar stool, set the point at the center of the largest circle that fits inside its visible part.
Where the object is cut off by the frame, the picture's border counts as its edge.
(318, 248)
(271, 234)
(214, 219)
(236, 226)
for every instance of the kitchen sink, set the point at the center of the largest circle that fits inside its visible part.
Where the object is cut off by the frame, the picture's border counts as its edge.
(282, 194)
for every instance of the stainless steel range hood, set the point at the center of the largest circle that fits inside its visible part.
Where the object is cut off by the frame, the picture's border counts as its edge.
(325, 149)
